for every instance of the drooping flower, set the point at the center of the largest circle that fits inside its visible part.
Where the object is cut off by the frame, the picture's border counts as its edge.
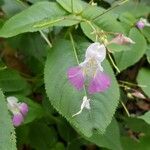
(120, 39)
(85, 104)
(90, 70)
(138, 94)
(142, 23)
(18, 109)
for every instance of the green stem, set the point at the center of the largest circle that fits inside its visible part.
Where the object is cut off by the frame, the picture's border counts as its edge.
(22, 3)
(125, 108)
(113, 63)
(76, 56)
(72, 6)
(74, 49)
(45, 38)
(118, 4)
(132, 84)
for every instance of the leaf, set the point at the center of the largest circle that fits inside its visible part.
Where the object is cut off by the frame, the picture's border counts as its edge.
(74, 6)
(42, 137)
(67, 100)
(7, 133)
(59, 146)
(137, 125)
(143, 79)
(146, 32)
(39, 16)
(12, 7)
(146, 117)
(127, 58)
(148, 53)
(136, 9)
(11, 81)
(130, 144)
(110, 139)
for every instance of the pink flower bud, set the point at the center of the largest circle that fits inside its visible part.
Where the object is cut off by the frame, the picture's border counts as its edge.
(17, 119)
(140, 24)
(23, 108)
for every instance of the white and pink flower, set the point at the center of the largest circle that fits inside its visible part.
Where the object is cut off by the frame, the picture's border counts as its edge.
(90, 71)
(18, 109)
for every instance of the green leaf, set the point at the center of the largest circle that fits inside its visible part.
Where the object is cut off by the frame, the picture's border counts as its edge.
(74, 6)
(127, 58)
(59, 146)
(42, 137)
(148, 53)
(7, 133)
(146, 117)
(67, 100)
(143, 79)
(39, 16)
(146, 32)
(137, 125)
(11, 81)
(136, 9)
(110, 139)
(12, 7)
(130, 144)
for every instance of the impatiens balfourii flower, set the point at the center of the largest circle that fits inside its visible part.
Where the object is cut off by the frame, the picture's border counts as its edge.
(120, 39)
(85, 104)
(142, 23)
(90, 70)
(18, 109)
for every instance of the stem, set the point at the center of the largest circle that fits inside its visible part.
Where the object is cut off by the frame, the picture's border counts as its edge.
(22, 3)
(47, 23)
(113, 63)
(94, 29)
(118, 4)
(74, 49)
(72, 6)
(45, 38)
(132, 84)
(76, 56)
(125, 108)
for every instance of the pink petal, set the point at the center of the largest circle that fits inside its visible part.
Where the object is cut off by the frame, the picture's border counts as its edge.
(23, 108)
(99, 83)
(76, 77)
(17, 119)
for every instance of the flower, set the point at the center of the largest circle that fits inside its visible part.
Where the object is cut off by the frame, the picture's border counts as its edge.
(85, 104)
(142, 23)
(18, 109)
(120, 39)
(138, 94)
(90, 70)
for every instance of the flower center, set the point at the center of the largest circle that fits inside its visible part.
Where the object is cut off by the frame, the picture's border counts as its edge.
(90, 68)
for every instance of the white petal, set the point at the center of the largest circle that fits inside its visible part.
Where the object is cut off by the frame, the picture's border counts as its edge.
(12, 104)
(85, 104)
(97, 51)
